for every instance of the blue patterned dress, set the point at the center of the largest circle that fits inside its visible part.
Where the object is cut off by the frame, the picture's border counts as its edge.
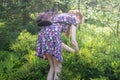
(49, 38)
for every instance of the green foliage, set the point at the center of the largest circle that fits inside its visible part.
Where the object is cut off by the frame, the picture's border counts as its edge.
(98, 58)
(9, 63)
(66, 5)
(24, 43)
(95, 60)
(103, 13)
(16, 67)
(7, 34)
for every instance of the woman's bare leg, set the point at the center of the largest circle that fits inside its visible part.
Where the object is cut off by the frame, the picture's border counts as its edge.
(52, 69)
(58, 67)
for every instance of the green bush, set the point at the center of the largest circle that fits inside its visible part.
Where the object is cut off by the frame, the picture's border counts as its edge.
(5, 38)
(98, 58)
(9, 33)
(16, 67)
(25, 43)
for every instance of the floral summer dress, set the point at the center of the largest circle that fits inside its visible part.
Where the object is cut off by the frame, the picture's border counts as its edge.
(49, 38)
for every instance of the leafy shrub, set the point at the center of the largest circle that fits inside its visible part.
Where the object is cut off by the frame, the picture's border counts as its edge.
(9, 33)
(98, 58)
(24, 43)
(17, 67)
(5, 38)
(32, 28)
(9, 63)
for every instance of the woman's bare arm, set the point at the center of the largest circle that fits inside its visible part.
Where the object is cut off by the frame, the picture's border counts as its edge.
(73, 38)
(67, 48)
(74, 42)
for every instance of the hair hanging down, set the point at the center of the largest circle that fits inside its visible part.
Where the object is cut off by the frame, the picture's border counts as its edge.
(45, 18)
(77, 13)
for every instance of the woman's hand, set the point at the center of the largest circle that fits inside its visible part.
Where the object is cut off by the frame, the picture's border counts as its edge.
(75, 46)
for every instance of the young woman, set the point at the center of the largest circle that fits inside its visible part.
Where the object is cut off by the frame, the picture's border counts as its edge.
(49, 44)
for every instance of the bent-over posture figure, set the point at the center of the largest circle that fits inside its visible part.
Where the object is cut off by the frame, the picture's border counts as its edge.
(49, 44)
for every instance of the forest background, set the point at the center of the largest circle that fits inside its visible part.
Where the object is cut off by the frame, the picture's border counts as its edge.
(98, 38)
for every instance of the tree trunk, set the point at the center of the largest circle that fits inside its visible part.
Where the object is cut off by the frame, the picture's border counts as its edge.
(78, 4)
(25, 17)
(25, 13)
